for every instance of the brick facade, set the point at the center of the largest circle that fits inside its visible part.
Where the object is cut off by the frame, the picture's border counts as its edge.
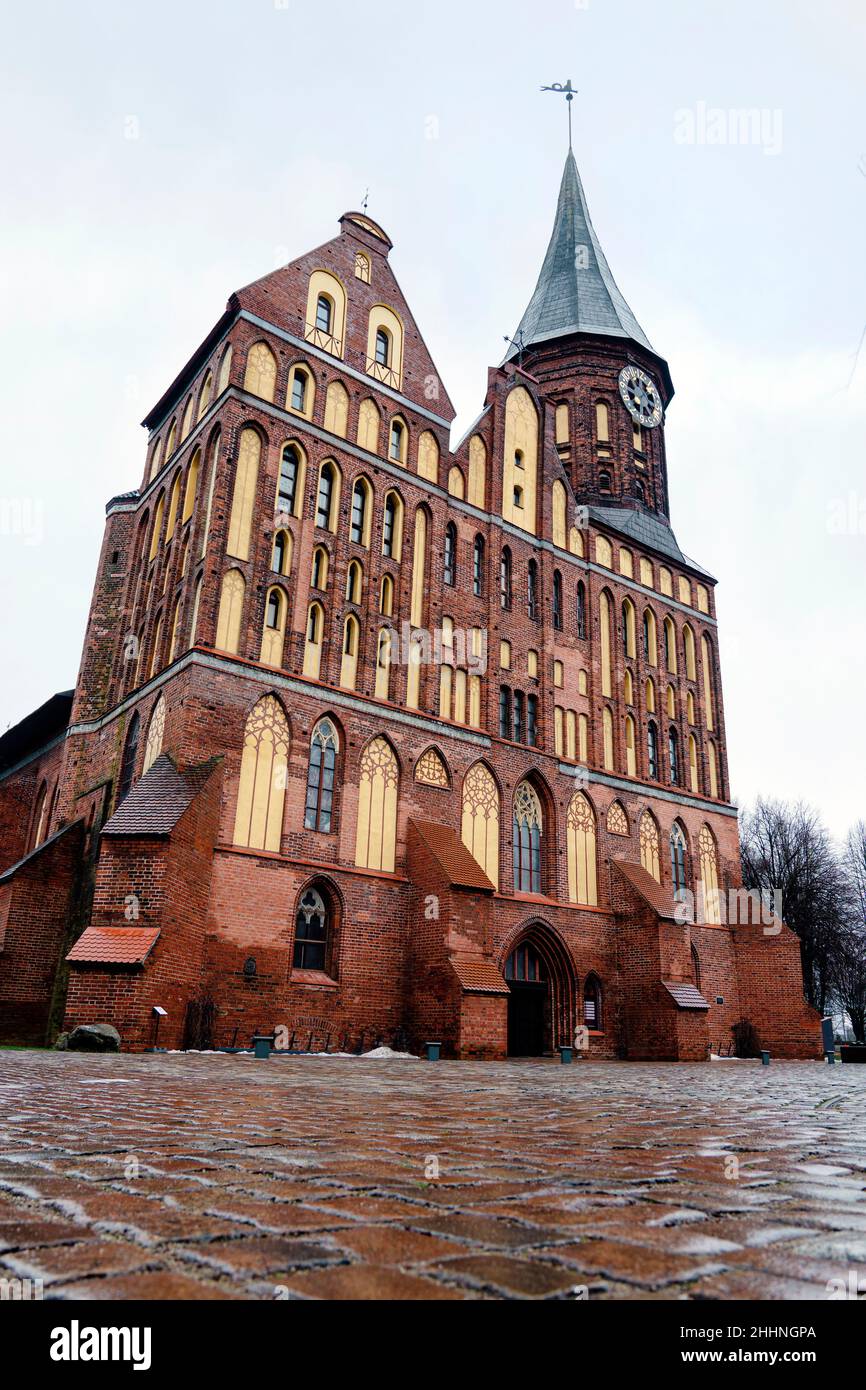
(418, 952)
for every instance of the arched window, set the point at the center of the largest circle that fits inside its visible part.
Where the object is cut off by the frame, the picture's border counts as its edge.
(650, 695)
(321, 777)
(649, 846)
(674, 756)
(607, 737)
(652, 748)
(40, 813)
(173, 504)
(707, 663)
(505, 579)
(300, 391)
(326, 505)
(397, 441)
(532, 720)
(478, 567)
(261, 790)
(532, 589)
(713, 764)
(155, 736)
(694, 781)
(504, 712)
(130, 754)
(432, 771)
(362, 267)
(386, 602)
(281, 555)
(312, 932)
(557, 600)
(376, 840)
(581, 852)
(260, 375)
(649, 636)
(354, 582)
(602, 425)
(639, 490)
(319, 569)
(392, 527)
(205, 395)
(709, 875)
(383, 347)
(368, 426)
(456, 485)
(191, 486)
(156, 534)
(351, 643)
(273, 634)
(419, 573)
(324, 314)
(630, 751)
(604, 481)
(670, 646)
(628, 625)
(558, 505)
(228, 633)
(244, 495)
(313, 644)
(617, 821)
(525, 965)
(360, 527)
(689, 647)
(678, 860)
(696, 966)
(581, 611)
(606, 623)
(592, 1015)
(480, 819)
(383, 664)
(290, 477)
(449, 562)
(225, 370)
(526, 839)
(337, 409)
(477, 470)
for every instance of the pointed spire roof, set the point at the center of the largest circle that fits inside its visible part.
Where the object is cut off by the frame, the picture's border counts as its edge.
(576, 292)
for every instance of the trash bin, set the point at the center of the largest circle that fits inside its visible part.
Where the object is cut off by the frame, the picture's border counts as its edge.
(262, 1047)
(565, 1055)
(433, 1049)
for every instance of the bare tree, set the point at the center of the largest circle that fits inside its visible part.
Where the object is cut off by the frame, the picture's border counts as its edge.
(849, 970)
(787, 848)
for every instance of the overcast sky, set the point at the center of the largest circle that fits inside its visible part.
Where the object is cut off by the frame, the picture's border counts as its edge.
(159, 156)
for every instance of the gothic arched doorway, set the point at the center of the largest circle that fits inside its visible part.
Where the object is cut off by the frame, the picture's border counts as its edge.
(541, 994)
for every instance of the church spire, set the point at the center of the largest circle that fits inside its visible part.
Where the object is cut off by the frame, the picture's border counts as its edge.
(576, 292)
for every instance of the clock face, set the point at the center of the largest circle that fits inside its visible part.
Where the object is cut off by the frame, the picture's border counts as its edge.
(641, 397)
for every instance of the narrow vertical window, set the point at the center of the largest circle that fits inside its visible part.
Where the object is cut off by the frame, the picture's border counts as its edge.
(504, 712)
(557, 600)
(532, 590)
(324, 745)
(478, 567)
(505, 579)
(449, 566)
(581, 611)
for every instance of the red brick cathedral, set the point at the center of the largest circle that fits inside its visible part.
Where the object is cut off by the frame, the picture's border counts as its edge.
(379, 740)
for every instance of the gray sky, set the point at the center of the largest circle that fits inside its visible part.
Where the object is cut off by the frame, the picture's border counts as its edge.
(256, 124)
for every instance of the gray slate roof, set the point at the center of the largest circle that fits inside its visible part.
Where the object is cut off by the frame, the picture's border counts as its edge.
(570, 298)
(157, 802)
(646, 530)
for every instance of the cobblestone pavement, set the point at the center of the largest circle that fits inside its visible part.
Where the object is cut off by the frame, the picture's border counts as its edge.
(226, 1177)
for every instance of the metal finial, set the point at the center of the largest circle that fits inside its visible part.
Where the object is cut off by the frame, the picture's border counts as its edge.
(569, 92)
(366, 200)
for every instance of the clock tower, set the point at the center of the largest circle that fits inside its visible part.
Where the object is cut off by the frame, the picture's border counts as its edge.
(580, 340)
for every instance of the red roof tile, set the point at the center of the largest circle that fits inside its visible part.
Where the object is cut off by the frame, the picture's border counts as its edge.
(478, 974)
(685, 996)
(660, 899)
(114, 945)
(452, 856)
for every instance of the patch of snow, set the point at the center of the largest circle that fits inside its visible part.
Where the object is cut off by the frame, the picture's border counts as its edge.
(385, 1053)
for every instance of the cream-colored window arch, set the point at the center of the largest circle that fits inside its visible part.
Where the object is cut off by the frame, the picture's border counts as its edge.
(713, 764)
(671, 702)
(385, 326)
(446, 681)
(319, 568)
(650, 695)
(480, 819)
(690, 707)
(386, 596)
(571, 730)
(173, 505)
(413, 672)
(703, 599)
(603, 552)
(581, 852)
(244, 495)
(274, 630)
(460, 696)
(155, 735)
(689, 648)
(172, 642)
(583, 738)
(559, 731)
(650, 633)
(428, 456)
(432, 771)
(666, 582)
(155, 651)
(291, 480)
(671, 658)
(214, 466)
(351, 645)
(604, 614)
(204, 395)
(328, 495)
(383, 664)
(186, 424)
(646, 572)
(684, 589)
(171, 441)
(393, 513)
(456, 485)
(361, 513)
(354, 582)
(630, 751)
(477, 471)
(281, 554)
(228, 633)
(617, 820)
(475, 702)
(709, 875)
(156, 533)
(314, 639)
(558, 508)
(376, 841)
(301, 392)
(196, 605)
(520, 462)
(369, 426)
(191, 486)
(155, 460)
(362, 267)
(326, 331)
(707, 664)
(602, 423)
(419, 569)
(628, 628)
(398, 440)
(575, 542)
(225, 370)
(260, 372)
(649, 845)
(337, 409)
(626, 563)
(261, 789)
(563, 428)
(607, 732)
(694, 781)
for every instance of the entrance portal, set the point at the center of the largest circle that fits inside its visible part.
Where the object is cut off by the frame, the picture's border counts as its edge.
(528, 1003)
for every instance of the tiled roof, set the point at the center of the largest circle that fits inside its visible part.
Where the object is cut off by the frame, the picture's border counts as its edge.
(660, 899)
(157, 802)
(114, 945)
(452, 856)
(645, 530)
(685, 996)
(478, 974)
(576, 292)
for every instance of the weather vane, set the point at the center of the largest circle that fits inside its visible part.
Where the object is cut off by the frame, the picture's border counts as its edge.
(569, 92)
(366, 200)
